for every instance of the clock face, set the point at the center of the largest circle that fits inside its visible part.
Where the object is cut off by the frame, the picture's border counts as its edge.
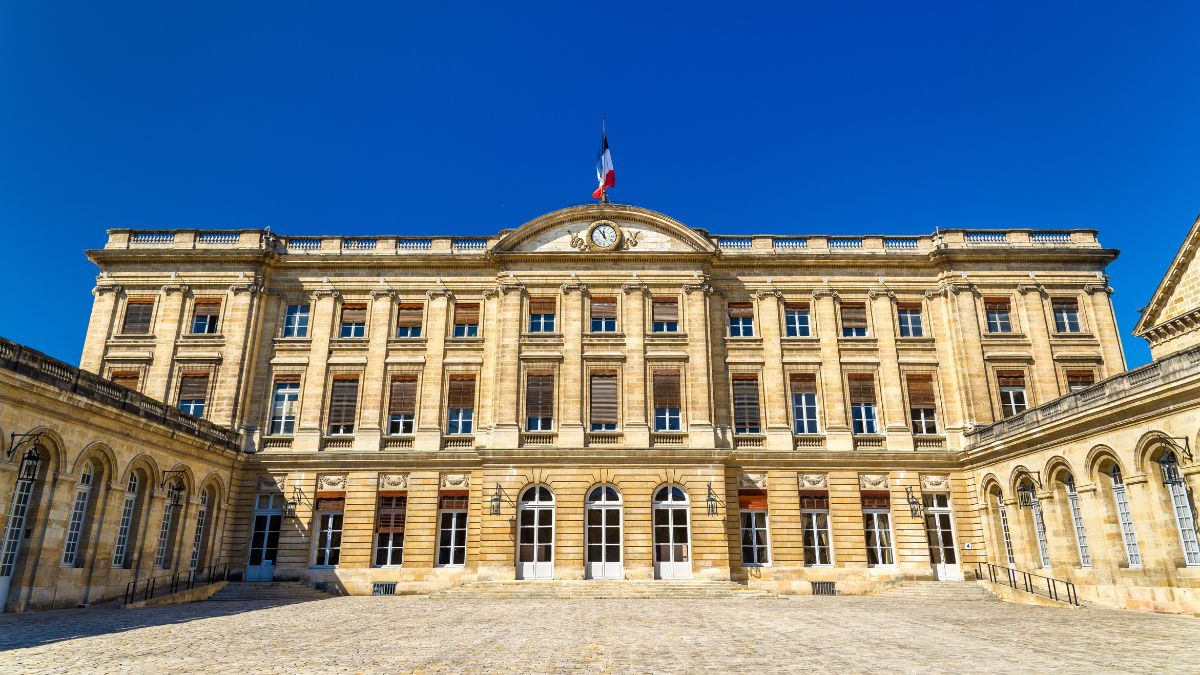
(604, 236)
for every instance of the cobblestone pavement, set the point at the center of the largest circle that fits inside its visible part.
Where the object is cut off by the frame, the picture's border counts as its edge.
(363, 634)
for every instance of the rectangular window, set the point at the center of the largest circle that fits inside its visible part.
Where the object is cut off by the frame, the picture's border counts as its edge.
(389, 530)
(741, 319)
(854, 319)
(408, 320)
(452, 530)
(466, 319)
(1133, 553)
(205, 315)
(329, 530)
(911, 323)
(756, 549)
(796, 320)
(539, 401)
(664, 315)
(603, 404)
(295, 321)
(877, 526)
(1080, 379)
(804, 403)
(353, 321)
(193, 391)
(1004, 528)
(999, 319)
(1066, 315)
(862, 403)
(817, 535)
(1186, 522)
(283, 406)
(138, 313)
(541, 315)
(75, 525)
(343, 402)
(1012, 392)
(402, 405)
(125, 378)
(604, 315)
(921, 406)
(667, 400)
(460, 404)
(745, 404)
(1081, 542)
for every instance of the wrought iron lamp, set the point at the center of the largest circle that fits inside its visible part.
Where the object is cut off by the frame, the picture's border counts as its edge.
(495, 501)
(1027, 489)
(1169, 464)
(711, 501)
(915, 508)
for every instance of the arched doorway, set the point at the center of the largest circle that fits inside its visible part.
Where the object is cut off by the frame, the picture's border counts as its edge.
(535, 548)
(27, 496)
(672, 541)
(604, 530)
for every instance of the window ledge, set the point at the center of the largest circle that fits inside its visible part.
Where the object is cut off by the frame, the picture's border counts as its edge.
(554, 336)
(743, 339)
(406, 342)
(292, 341)
(922, 340)
(348, 342)
(800, 339)
(869, 441)
(1073, 336)
(668, 439)
(604, 334)
(203, 338)
(865, 341)
(465, 341)
(133, 336)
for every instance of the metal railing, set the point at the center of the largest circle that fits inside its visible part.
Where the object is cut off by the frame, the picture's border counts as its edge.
(1055, 589)
(153, 587)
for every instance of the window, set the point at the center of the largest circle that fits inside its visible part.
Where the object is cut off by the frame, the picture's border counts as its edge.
(198, 535)
(389, 530)
(166, 532)
(854, 320)
(79, 513)
(666, 400)
(1039, 523)
(452, 530)
(755, 542)
(1080, 379)
(999, 319)
(539, 401)
(741, 319)
(1066, 315)
(1004, 529)
(402, 405)
(796, 320)
(877, 526)
(283, 406)
(604, 315)
(804, 403)
(814, 521)
(354, 321)
(745, 404)
(466, 320)
(127, 524)
(1185, 520)
(343, 401)
(460, 404)
(1081, 542)
(921, 406)
(329, 530)
(911, 324)
(193, 390)
(862, 403)
(603, 404)
(138, 313)
(205, 315)
(541, 315)
(1012, 392)
(664, 315)
(1133, 552)
(408, 320)
(295, 321)
(125, 378)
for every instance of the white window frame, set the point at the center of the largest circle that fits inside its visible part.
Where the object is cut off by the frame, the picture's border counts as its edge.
(541, 323)
(1133, 552)
(1005, 530)
(322, 530)
(741, 326)
(874, 513)
(761, 550)
(912, 321)
(198, 536)
(121, 547)
(1039, 529)
(1002, 322)
(667, 420)
(802, 421)
(161, 558)
(284, 411)
(14, 530)
(1081, 542)
(868, 423)
(460, 421)
(458, 536)
(1066, 321)
(1009, 404)
(391, 546)
(295, 323)
(78, 515)
(797, 323)
(809, 524)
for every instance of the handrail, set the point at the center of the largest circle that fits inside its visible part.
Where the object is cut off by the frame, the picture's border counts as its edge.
(1011, 575)
(166, 584)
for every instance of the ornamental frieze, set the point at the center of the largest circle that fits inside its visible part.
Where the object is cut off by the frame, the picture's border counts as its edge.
(813, 481)
(331, 481)
(393, 481)
(873, 481)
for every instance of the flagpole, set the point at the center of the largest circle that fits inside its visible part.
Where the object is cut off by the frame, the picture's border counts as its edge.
(603, 134)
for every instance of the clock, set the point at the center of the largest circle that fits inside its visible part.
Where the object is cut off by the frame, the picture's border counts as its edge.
(603, 235)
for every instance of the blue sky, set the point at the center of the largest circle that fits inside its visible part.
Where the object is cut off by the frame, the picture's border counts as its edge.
(417, 118)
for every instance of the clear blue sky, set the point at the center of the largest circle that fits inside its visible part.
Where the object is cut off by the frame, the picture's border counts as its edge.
(417, 118)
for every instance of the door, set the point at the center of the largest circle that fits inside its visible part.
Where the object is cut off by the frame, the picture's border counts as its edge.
(535, 550)
(604, 540)
(672, 545)
(264, 538)
(14, 531)
(939, 531)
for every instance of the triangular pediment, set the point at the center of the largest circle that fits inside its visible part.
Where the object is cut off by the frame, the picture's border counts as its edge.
(636, 230)
(1178, 293)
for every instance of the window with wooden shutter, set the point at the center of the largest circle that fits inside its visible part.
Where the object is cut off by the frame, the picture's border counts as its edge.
(539, 401)
(604, 308)
(804, 383)
(862, 388)
(663, 309)
(205, 314)
(541, 305)
(921, 404)
(193, 393)
(402, 405)
(138, 313)
(745, 404)
(797, 320)
(343, 400)
(541, 315)
(1012, 392)
(854, 320)
(1076, 379)
(125, 378)
(804, 402)
(466, 319)
(997, 313)
(1010, 378)
(408, 320)
(666, 389)
(460, 404)
(741, 310)
(603, 415)
(1066, 315)
(389, 529)
(741, 319)
(329, 504)
(353, 321)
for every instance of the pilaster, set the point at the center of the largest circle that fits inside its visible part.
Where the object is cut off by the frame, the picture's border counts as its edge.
(312, 396)
(1104, 321)
(837, 427)
(1045, 380)
(101, 325)
(506, 399)
(368, 427)
(698, 375)
(633, 323)
(166, 331)
(239, 308)
(429, 430)
(895, 424)
(770, 321)
(570, 389)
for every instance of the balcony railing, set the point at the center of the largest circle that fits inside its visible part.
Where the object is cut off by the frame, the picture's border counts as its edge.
(359, 244)
(735, 243)
(791, 243)
(668, 439)
(842, 243)
(408, 244)
(986, 237)
(458, 442)
(538, 437)
(156, 237)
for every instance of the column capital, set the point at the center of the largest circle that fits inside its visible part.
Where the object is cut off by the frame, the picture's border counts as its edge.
(767, 292)
(251, 288)
(702, 285)
(1098, 288)
(168, 289)
(881, 292)
(323, 292)
(566, 287)
(439, 292)
(1032, 288)
(823, 292)
(504, 288)
(377, 293)
(635, 287)
(101, 289)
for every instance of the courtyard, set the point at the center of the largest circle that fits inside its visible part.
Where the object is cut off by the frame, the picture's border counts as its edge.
(420, 634)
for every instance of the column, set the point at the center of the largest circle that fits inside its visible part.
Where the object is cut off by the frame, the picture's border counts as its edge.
(367, 429)
(571, 376)
(698, 376)
(1104, 327)
(894, 418)
(166, 330)
(489, 328)
(634, 386)
(312, 395)
(952, 405)
(507, 431)
(100, 326)
(238, 312)
(969, 353)
(429, 429)
(837, 427)
(1045, 380)
(775, 399)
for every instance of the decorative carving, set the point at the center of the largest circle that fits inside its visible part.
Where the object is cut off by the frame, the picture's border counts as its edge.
(436, 292)
(586, 242)
(702, 286)
(936, 292)
(877, 292)
(251, 288)
(168, 289)
(488, 293)
(1098, 288)
(510, 287)
(377, 293)
(935, 483)
(271, 483)
(817, 481)
(752, 481)
(1032, 288)
(635, 287)
(568, 286)
(873, 481)
(456, 481)
(822, 292)
(630, 240)
(322, 292)
(765, 292)
(106, 288)
(393, 481)
(331, 481)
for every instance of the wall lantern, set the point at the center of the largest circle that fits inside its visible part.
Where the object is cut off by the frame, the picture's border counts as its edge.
(496, 499)
(915, 507)
(31, 459)
(1027, 488)
(711, 501)
(1169, 464)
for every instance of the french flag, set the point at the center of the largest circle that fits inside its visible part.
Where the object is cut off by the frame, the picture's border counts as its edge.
(604, 169)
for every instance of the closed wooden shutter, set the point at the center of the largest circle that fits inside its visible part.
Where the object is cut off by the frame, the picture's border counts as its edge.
(875, 499)
(1065, 305)
(854, 316)
(193, 386)
(330, 504)
(125, 378)
(453, 499)
(541, 305)
(539, 394)
(409, 316)
(466, 313)
(287, 378)
(814, 502)
(666, 389)
(604, 308)
(752, 500)
(920, 391)
(741, 310)
(795, 306)
(996, 304)
(137, 316)
(604, 397)
(804, 383)
(461, 392)
(862, 388)
(1011, 378)
(342, 400)
(392, 510)
(354, 314)
(745, 401)
(403, 396)
(208, 306)
(664, 310)
(1076, 379)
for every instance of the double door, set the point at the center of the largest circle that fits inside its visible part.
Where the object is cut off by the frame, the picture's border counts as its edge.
(672, 545)
(535, 552)
(939, 532)
(264, 538)
(604, 542)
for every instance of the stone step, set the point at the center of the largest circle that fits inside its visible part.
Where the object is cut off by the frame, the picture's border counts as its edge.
(940, 590)
(509, 590)
(271, 590)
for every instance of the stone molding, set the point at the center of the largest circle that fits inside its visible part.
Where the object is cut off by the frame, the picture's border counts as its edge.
(765, 292)
(168, 289)
(251, 288)
(702, 286)
(439, 292)
(393, 481)
(877, 292)
(106, 288)
(456, 481)
(814, 481)
(322, 292)
(935, 483)
(566, 287)
(331, 481)
(271, 483)
(818, 293)
(510, 287)
(873, 481)
(752, 480)
(635, 287)
(1032, 288)
(377, 293)
(1097, 288)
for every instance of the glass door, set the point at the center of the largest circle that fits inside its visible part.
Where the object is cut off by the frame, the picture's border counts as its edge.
(604, 533)
(939, 532)
(264, 538)
(672, 546)
(535, 552)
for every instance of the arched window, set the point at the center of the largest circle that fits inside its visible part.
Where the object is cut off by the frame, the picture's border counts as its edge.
(166, 533)
(1005, 532)
(127, 526)
(25, 500)
(80, 516)
(670, 494)
(1081, 542)
(1125, 516)
(604, 495)
(1185, 521)
(538, 494)
(198, 540)
(602, 524)
(1039, 523)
